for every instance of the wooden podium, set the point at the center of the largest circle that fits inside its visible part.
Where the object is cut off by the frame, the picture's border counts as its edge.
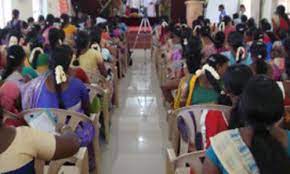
(194, 8)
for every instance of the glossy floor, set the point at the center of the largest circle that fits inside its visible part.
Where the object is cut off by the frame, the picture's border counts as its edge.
(138, 140)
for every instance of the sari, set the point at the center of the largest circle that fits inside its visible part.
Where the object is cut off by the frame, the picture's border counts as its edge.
(183, 89)
(10, 101)
(231, 154)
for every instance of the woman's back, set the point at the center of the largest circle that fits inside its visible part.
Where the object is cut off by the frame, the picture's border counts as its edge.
(90, 59)
(73, 96)
(244, 136)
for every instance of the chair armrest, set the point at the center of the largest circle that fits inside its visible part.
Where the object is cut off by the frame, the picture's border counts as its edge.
(81, 153)
(171, 155)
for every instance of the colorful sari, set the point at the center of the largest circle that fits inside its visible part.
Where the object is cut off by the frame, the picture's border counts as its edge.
(231, 155)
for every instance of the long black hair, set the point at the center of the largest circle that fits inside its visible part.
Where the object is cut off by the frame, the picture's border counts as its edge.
(262, 105)
(62, 56)
(235, 79)
(236, 40)
(259, 53)
(219, 40)
(192, 53)
(266, 28)
(82, 41)
(15, 58)
(95, 36)
(64, 20)
(55, 37)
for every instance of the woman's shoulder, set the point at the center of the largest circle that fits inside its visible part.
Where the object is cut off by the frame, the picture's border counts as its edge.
(222, 135)
(75, 82)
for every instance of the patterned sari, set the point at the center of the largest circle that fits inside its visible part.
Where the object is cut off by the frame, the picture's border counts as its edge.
(232, 153)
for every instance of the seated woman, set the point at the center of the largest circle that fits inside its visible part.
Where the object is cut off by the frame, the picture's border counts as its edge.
(235, 80)
(87, 58)
(219, 42)
(238, 53)
(193, 58)
(203, 86)
(173, 83)
(278, 55)
(23, 145)
(56, 89)
(14, 69)
(259, 54)
(207, 42)
(228, 26)
(259, 144)
(38, 60)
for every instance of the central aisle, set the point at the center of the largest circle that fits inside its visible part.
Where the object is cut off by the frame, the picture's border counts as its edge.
(138, 138)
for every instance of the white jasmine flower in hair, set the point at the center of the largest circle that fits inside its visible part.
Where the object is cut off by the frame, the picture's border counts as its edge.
(210, 69)
(60, 75)
(185, 42)
(33, 52)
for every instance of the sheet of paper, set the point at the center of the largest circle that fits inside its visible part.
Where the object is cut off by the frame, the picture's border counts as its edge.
(41, 121)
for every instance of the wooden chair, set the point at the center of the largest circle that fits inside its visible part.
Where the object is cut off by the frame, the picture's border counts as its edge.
(97, 90)
(72, 119)
(178, 143)
(184, 163)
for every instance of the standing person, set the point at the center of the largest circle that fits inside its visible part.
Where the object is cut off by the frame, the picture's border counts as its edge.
(280, 19)
(15, 23)
(242, 10)
(68, 29)
(150, 6)
(222, 12)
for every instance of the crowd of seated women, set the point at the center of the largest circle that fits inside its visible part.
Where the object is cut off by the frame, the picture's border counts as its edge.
(240, 64)
(44, 64)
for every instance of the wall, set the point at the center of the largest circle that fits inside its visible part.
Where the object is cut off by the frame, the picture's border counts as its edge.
(24, 6)
(53, 7)
(5, 12)
(178, 10)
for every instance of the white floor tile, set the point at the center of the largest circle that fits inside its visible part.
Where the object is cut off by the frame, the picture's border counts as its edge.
(138, 138)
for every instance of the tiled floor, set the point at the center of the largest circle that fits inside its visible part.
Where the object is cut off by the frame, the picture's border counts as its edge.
(138, 139)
